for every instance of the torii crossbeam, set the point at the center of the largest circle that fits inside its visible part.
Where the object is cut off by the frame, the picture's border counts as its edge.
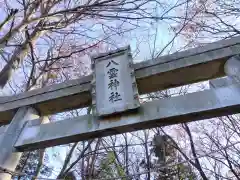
(203, 63)
(181, 68)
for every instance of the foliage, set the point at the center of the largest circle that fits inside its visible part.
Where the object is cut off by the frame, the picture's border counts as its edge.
(109, 166)
(28, 164)
(44, 42)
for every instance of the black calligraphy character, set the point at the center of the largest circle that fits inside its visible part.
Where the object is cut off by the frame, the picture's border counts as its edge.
(113, 84)
(112, 73)
(111, 63)
(115, 97)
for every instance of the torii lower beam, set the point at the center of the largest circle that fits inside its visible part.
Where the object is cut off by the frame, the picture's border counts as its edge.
(190, 107)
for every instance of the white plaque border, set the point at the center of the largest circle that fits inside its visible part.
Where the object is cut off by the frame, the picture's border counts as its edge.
(104, 56)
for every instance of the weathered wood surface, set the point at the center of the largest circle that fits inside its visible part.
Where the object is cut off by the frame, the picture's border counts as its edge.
(190, 107)
(169, 71)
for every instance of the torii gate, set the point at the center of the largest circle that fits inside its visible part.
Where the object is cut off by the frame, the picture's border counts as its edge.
(113, 91)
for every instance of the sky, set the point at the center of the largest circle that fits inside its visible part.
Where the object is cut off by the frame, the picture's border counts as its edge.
(141, 42)
(141, 49)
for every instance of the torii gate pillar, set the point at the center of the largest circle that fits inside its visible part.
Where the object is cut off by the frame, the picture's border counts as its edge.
(9, 158)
